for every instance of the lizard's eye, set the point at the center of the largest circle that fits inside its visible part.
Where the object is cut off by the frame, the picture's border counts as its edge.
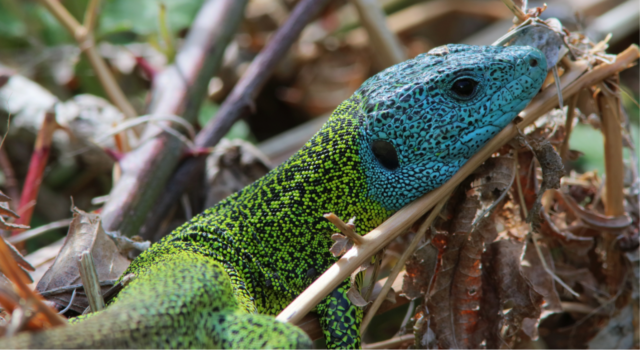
(386, 154)
(464, 88)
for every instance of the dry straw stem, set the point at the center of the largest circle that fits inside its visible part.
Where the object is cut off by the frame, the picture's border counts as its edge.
(388, 49)
(90, 15)
(391, 343)
(568, 126)
(400, 264)
(23, 236)
(84, 38)
(517, 11)
(614, 166)
(572, 82)
(613, 198)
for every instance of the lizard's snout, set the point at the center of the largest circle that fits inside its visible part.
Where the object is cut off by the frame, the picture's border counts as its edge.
(532, 63)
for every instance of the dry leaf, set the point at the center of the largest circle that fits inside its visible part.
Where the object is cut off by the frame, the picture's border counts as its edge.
(85, 234)
(342, 244)
(419, 272)
(455, 294)
(504, 283)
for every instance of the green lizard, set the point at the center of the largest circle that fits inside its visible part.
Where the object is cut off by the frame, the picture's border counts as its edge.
(216, 281)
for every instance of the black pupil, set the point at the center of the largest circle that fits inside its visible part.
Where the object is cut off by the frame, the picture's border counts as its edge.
(464, 87)
(386, 154)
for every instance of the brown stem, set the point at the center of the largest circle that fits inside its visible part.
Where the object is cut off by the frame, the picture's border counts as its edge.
(84, 38)
(613, 198)
(568, 126)
(239, 103)
(90, 15)
(391, 343)
(387, 47)
(517, 11)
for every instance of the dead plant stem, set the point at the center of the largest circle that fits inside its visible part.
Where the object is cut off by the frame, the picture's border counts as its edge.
(84, 38)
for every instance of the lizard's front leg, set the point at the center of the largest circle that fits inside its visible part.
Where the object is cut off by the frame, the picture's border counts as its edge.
(340, 319)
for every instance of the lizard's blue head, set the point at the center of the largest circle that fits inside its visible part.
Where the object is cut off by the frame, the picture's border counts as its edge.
(424, 118)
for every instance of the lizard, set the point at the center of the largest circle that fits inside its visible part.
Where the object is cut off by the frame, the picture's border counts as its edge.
(217, 280)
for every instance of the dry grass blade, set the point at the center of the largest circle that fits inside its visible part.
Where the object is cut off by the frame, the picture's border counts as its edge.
(390, 343)
(90, 281)
(23, 236)
(386, 45)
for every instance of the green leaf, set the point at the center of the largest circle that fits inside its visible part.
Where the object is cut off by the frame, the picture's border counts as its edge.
(142, 16)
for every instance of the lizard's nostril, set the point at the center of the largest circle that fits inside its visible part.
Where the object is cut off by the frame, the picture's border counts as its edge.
(533, 62)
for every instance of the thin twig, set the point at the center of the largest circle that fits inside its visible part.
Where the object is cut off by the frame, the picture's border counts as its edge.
(568, 126)
(90, 15)
(523, 205)
(65, 289)
(390, 343)
(84, 38)
(73, 296)
(23, 236)
(400, 264)
(387, 47)
(347, 229)
(147, 119)
(409, 314)
(548, 270)
(517, 11)
(609, 104)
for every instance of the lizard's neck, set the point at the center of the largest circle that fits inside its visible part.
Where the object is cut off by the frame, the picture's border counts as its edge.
(326, 175)
(273, 232)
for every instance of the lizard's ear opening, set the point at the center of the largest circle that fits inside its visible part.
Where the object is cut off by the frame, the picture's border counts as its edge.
(386, 154)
